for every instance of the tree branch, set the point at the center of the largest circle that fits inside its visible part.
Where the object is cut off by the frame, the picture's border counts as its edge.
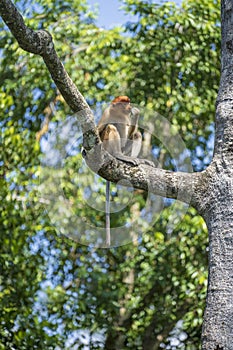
(40, 43)
(182, 186)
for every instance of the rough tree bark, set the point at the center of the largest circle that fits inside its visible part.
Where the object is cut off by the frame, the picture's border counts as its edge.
(217, 331)
(210, 192)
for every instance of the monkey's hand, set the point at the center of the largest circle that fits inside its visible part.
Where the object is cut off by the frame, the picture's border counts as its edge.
(134, 115)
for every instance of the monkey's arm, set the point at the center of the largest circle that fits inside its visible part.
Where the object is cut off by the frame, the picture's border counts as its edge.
(133, 145)
(134, 116)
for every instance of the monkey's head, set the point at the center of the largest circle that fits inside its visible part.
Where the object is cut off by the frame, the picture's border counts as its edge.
(122, 103)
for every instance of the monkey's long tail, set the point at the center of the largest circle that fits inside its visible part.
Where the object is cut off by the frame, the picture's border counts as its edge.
(107, 212)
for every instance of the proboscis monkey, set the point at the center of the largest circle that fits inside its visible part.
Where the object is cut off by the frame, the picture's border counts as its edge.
(118, 130)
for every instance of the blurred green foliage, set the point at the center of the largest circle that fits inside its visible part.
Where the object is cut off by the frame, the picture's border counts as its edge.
(54, 292)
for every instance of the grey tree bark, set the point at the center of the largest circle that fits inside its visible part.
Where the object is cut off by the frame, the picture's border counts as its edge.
(218, 204)
(210, 192)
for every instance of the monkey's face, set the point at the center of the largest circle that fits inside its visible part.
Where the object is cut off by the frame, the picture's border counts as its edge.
(122, 104)
(122, 107)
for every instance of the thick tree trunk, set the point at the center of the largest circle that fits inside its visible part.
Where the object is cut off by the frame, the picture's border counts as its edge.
(218, 320)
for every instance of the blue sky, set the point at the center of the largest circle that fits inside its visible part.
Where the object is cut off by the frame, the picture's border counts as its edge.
(109, 13)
